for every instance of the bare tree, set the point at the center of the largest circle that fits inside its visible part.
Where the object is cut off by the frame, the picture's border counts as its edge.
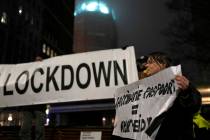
(188, 34)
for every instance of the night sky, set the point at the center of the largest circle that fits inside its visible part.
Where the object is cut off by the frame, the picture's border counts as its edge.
(140, 23)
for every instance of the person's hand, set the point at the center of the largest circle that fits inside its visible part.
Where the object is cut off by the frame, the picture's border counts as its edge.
(182, 81)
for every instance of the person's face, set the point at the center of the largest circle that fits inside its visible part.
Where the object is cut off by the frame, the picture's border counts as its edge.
(153, 67)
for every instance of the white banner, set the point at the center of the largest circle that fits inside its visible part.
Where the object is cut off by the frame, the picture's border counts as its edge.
(76, 77)
(139, 103)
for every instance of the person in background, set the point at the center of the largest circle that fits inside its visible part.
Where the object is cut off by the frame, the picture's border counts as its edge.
(177, 122)
(36, 113)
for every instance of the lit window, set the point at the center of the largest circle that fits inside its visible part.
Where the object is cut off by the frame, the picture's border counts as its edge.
(4, 18)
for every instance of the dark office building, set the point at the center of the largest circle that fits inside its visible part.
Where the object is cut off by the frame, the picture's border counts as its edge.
(29, 27)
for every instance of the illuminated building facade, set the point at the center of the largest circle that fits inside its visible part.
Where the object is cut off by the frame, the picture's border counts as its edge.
(94, 26)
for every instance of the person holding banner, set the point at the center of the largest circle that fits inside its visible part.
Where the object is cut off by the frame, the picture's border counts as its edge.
(177, 122)
(36, 112)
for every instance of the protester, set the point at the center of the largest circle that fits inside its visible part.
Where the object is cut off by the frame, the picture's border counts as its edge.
(177, 122)
(30, 113)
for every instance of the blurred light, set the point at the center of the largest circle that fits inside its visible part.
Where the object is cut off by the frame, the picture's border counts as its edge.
(47, 111)
(47, 122)
(104, 119)
(83, 7)
(204, 90)
(4, 18)
(10, 117)
(20, 10)
(1, 123)
(92, 6)
(205, 100)
(44, 48)
(104, 9)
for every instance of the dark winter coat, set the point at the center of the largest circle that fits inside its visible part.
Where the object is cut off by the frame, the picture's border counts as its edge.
(177, 123)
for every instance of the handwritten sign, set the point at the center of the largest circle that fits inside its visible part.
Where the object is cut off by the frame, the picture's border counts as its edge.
(138, 104)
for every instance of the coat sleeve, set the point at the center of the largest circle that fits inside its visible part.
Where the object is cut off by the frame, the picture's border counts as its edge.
(190, 99)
